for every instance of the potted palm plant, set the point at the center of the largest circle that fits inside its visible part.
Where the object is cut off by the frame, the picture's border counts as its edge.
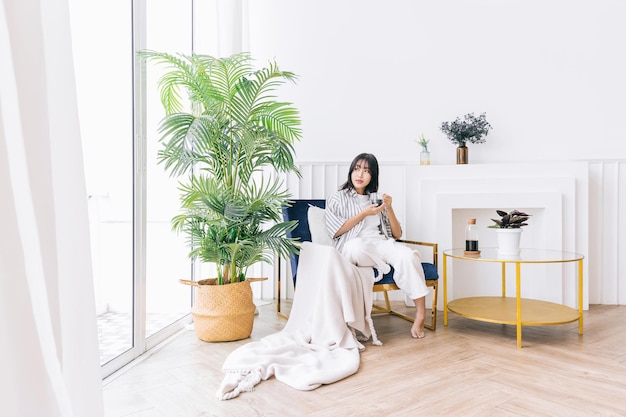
(509, 231)
(226, 133)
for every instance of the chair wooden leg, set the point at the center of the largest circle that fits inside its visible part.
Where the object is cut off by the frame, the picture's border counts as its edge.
(433, 314)
(434, 305)
(377, 309)
(396, 313)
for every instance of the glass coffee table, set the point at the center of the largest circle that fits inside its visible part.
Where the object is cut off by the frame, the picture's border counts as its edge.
(516, 310)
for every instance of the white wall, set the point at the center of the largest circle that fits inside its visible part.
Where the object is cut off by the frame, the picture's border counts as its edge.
(549, 75)
(376, 74)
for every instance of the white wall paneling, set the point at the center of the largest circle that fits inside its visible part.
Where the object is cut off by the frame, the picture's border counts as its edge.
(574, 207)
(607, 232)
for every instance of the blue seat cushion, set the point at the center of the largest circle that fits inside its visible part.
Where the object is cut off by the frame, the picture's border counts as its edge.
(430, 273)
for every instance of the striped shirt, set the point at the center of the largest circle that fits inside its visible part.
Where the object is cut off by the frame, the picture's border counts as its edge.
(342, 205)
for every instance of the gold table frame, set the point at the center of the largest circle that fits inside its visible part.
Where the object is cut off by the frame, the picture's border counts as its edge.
(508, 310)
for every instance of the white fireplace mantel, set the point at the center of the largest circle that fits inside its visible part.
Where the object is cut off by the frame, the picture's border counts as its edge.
(554, 194)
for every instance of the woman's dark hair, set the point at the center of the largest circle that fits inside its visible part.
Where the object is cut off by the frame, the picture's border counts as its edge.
(372, 165)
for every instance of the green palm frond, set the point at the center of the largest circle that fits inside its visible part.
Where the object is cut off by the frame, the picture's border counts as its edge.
(225, 131)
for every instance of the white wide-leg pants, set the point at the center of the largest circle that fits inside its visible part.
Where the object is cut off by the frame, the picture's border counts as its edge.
(408, 275)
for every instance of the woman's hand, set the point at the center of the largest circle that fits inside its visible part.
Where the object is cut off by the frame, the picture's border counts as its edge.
(396, 229)
(387, 200)
(373, 209)
(370, 210)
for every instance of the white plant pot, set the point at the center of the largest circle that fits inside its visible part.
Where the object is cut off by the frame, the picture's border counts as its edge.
(508, 242)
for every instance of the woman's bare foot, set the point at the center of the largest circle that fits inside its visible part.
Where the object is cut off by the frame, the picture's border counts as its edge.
(417, 331)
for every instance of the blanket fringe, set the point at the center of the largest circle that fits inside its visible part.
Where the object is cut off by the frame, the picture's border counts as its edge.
(361, 338)
(375, 340)
(237, 382)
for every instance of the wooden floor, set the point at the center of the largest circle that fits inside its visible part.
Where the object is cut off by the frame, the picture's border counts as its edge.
(466, 369)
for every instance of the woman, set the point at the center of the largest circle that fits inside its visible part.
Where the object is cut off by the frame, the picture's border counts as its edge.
(365, 233)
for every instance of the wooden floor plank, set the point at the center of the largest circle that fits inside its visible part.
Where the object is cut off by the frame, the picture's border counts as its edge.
(469, 368)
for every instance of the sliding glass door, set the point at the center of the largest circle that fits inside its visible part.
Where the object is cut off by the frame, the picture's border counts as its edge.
(137, 259)
(168, 29)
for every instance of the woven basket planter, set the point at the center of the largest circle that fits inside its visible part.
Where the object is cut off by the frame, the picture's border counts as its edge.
(222, 313)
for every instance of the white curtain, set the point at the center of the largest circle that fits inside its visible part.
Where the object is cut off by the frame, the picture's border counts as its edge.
(232, 25)
(49, 362)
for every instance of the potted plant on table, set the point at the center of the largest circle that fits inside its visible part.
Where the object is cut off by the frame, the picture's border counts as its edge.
(230, 137)
(471, 129)
(509, 230)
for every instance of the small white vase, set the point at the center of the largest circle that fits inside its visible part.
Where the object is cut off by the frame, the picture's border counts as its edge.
(508, 242)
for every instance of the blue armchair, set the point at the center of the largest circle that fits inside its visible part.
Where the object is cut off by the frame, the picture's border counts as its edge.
(299, 210)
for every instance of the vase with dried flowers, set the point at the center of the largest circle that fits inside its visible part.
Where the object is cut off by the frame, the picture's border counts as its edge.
(470, 129)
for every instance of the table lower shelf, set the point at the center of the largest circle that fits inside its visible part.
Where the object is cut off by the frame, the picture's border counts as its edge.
(503, 310)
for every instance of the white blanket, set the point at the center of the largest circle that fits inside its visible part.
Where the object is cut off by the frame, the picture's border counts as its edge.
(318, 345)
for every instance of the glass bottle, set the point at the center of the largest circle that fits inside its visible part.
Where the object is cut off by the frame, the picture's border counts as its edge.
(471, 236)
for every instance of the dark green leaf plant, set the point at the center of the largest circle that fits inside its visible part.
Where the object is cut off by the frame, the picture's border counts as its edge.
(512, 220)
